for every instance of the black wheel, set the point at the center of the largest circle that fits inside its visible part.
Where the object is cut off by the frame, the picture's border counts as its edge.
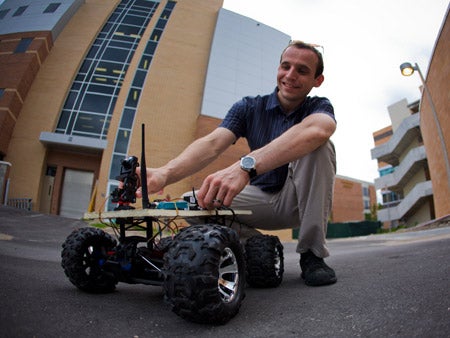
(264, 260)
(164, 244)
(82, 255)
(205, 274)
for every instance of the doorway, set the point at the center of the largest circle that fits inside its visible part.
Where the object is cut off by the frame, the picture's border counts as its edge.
(76, 193)
(47, 190)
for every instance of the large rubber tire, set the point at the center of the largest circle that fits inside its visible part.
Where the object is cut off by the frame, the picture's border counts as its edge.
(82, 255)
(265, 261)
(205, 274)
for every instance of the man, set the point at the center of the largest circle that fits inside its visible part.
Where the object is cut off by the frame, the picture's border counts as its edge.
(291, 166)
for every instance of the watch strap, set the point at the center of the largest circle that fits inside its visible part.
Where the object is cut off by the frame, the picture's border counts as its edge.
(252, 173)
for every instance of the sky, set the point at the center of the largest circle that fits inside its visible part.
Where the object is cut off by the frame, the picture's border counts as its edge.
(365, 41)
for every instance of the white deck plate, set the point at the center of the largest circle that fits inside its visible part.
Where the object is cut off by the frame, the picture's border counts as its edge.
(156, 213)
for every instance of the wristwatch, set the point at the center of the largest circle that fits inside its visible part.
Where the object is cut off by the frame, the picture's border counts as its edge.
(248, 164)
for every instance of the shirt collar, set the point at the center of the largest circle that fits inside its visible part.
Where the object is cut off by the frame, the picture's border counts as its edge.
(273, 104)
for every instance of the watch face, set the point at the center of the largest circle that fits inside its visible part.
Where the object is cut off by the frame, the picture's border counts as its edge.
(248, 162)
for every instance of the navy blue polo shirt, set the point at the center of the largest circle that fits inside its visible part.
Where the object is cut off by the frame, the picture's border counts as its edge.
(260, 119)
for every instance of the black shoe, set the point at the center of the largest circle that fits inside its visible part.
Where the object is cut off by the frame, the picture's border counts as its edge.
(314, 270)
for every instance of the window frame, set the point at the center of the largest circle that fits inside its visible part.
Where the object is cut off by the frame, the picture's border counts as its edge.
(52, 8)
(19, 11)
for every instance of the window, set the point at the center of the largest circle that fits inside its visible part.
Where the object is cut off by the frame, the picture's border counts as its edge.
(386, 171)
(139, 78)
(150, 48)
(3, 13)
(117, 55)
(115, 166)
(366, 191)
(133, 97)
(63, 121)
(390, 196)
(122, 140)
(51, 171)
(88, 124)
(89, 106)
(23, 45)
(20, 10)
(127, 118)
(129, 30)
(52, 7)
(93, 102)
(101, 89)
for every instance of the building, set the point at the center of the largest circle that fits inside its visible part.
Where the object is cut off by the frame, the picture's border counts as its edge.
(435, 123)
(353, 200)
(79, 78)
(404, 175)
(413, 152)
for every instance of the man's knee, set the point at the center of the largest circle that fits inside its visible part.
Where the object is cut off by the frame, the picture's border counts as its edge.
(323, 158)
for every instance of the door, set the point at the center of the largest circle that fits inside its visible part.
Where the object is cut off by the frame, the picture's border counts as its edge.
(47, 190)
(76, 193)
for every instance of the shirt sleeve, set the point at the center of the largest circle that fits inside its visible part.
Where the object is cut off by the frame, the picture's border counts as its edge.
(321, 105)
(236, 118)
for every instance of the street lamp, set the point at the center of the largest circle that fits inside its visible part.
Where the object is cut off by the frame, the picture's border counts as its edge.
(408, 69)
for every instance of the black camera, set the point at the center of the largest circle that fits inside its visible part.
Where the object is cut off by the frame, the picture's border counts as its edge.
(127, 193)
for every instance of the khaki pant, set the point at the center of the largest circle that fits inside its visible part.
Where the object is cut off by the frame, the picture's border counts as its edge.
(304, 202)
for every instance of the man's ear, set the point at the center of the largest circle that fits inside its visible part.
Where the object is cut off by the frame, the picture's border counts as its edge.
(319, 80)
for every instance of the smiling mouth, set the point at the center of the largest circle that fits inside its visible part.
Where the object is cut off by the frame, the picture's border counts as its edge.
(289, 85)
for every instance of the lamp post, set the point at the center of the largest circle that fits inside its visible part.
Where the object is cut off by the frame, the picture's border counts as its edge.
(408, 69)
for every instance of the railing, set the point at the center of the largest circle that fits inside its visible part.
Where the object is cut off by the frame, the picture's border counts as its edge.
(21, 203)
(390, 204)
(412, 163)
(401, 138)
(415, 197)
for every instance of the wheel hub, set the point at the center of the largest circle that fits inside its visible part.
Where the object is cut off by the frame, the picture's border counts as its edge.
(228, 276)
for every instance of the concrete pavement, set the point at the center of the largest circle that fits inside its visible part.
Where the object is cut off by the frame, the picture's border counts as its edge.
(393, 285)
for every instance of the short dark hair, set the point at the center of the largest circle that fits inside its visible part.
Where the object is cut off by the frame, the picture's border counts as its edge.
(309, 46)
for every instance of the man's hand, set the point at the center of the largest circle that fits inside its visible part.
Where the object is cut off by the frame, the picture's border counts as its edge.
(221, 187)
(156, 181)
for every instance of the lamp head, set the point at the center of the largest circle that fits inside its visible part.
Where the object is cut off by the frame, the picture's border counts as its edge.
(407, 69)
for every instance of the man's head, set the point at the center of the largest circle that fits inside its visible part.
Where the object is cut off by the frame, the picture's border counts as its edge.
(313, 48)
(300, 70)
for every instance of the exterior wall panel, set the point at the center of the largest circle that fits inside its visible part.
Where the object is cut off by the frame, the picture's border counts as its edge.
(438, 83)
(348, 200)
(46, 97)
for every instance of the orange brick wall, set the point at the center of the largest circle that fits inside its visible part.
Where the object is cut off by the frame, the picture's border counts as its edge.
(379, 139)
(18, 72)
(348, 200)
(438, 83)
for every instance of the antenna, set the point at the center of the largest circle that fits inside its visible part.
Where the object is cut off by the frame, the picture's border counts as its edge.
(145, 200)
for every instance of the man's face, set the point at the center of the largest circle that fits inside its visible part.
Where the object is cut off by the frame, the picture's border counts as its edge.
(296, 76)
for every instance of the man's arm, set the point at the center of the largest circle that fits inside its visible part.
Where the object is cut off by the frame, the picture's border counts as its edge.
(300, 140)
(194, 158)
